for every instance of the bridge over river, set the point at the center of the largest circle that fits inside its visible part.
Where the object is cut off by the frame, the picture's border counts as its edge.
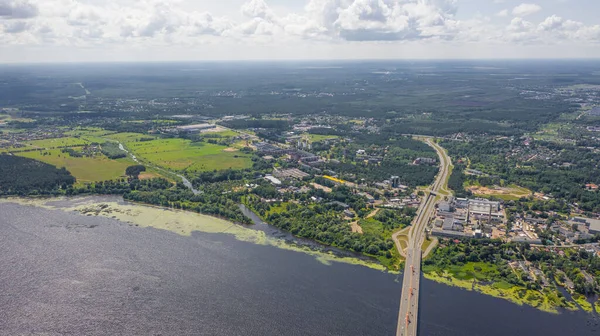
(409, 302)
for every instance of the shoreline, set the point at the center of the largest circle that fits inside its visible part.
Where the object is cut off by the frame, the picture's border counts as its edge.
(177, 221)
(184, 223)
(546, 302)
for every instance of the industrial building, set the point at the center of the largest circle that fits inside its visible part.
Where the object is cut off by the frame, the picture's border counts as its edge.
(194, 128)
(267, 148)
(287, 173)
(449, 233)
(273, 180)
(592, 224)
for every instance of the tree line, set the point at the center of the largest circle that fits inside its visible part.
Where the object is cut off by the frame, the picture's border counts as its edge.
(24, 176)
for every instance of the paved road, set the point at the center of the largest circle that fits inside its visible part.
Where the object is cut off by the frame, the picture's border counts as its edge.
(409, 302)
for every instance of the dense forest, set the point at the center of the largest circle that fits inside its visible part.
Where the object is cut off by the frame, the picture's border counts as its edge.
(23, 176)
(457, 180)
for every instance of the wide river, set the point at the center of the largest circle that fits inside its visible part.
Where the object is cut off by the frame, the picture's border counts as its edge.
(62, 273)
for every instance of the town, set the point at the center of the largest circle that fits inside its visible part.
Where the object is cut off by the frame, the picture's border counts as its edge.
(479, 208)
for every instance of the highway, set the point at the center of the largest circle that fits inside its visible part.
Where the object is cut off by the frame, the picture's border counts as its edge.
(409, 302)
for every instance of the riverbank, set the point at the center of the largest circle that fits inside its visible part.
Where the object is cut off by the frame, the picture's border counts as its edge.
(178, 221)
(547, 300)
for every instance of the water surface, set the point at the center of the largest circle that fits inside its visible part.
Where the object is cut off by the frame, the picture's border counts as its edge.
(66, 274)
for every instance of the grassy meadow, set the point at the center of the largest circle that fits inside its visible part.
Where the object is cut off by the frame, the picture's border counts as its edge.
(85, 169)
(181, 154)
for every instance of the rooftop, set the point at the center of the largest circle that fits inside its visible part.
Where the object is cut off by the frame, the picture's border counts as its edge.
(196, 126)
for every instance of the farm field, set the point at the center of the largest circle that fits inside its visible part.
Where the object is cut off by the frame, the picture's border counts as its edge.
(90, 134)
(85, 169)
(57, 142)
(126, 138)
(224, 160)
(182, 154)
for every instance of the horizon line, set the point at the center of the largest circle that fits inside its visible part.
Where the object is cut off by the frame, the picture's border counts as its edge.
(310, 60)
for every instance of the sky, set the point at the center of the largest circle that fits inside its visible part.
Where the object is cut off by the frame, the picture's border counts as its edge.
(190, 30)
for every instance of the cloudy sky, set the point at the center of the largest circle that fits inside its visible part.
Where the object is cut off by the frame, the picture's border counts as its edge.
(153, 30)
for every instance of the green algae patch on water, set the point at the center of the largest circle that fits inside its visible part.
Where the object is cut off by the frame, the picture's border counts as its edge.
(583, 302)
(446, 279)
(180, 222)
(518, 295)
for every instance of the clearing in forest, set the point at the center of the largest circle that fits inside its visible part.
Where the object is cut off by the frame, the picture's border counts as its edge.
(506, 193)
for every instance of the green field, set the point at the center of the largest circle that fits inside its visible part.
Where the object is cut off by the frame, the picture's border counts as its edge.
(224, 134)
(126, 138)
(320, 137)
(85, 169)
(182, 154)
(90, 134)
(372, 226)
(57, 142)
(224, 160)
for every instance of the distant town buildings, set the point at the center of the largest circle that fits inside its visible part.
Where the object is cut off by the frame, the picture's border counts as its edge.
(290, 173)
(191, 128)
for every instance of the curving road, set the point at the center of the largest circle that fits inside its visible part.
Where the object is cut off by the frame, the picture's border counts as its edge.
(409, 302)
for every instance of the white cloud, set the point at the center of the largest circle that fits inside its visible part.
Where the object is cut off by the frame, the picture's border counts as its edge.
(14, 27)
(257, 9)
(526, 9)
(384, 20)
(502, 13)
(17, 9)
(552, 30)
(144, 23)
